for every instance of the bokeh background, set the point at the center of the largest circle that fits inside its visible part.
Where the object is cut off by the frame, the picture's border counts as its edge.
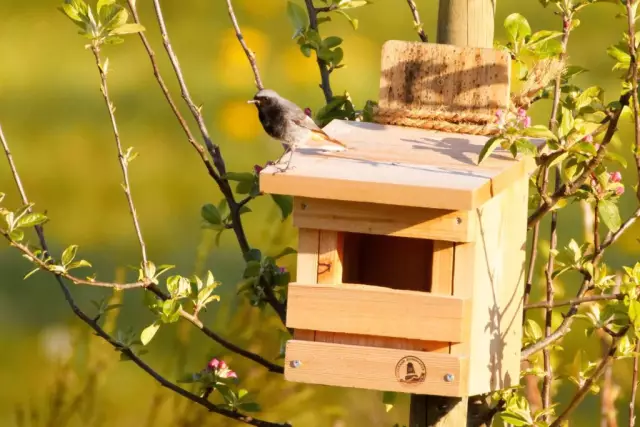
(52, 371)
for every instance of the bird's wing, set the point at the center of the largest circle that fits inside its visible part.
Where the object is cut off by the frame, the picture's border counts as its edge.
(317, 133)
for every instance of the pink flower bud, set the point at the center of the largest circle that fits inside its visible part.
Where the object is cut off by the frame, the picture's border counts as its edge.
(522, 113)
(526, 122)
(257, 169)
(615, 176)
(620, 190)
(282, 270)
(307, 111)
(223, 365)
(566, 24)
(588, 138)
(232, 374)
(214, 364)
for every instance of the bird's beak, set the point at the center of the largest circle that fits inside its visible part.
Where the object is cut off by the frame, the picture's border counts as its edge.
(253, 101)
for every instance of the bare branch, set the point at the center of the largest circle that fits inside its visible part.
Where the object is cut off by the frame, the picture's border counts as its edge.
(165, 90)
(633, 71)
(416, 21)
(634, 388)
(250, 55)
(121, 157)
(575, 301)
(117, 345)
(322, 64)
(586, 386)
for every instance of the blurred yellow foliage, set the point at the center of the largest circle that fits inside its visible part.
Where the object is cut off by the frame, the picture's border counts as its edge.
(232, 62)
(297, 68)
(239, 121)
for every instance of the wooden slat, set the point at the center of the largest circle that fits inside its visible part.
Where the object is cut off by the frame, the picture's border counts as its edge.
(329, 271)
(373, 368)
(426, 77)
(390, 220)
(307, 269)
(374, 310)
(442, 268)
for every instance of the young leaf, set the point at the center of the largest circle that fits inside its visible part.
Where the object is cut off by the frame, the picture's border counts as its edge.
(490, 147)
(210, 214)
(69, 254)
(250, 407)
(610, 214)
(538, 131)
(239, 176)
(16, 235)
(517, 27)
(31, 220)
(298, 18)
(103, 3)
(149, 332)
(285, 203)
(127, 29)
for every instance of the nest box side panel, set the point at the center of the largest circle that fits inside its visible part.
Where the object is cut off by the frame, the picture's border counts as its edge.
(494, 269)
(427, 78)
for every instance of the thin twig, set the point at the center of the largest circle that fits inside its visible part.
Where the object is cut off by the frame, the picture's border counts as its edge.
(586, 386)
(634, 388)
(416, 21)
(633, 70)
(575, 301)
(250, 55)
(117, 345)
(123, 161)
(165, 90)
(322, 64)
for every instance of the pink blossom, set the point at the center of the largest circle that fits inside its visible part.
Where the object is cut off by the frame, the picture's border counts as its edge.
(615, 176)
(214, 364)
(232, 374)
(307, 111)
(522, 113)
(501, 118)
(223, 365)
(588, 138)
(257, 169)
(282, 270)
(620, 190)
(526, 122)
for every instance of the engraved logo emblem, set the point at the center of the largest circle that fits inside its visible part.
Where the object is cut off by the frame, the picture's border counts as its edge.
(411, 370)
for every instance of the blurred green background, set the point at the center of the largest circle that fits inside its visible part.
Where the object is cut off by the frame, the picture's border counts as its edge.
(54, 117)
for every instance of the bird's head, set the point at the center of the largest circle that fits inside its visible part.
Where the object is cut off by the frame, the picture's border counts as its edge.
(265, 98)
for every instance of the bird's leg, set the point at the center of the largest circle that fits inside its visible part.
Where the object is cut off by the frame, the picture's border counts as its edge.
(290, 149)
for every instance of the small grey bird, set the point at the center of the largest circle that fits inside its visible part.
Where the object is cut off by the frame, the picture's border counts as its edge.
(286, 122)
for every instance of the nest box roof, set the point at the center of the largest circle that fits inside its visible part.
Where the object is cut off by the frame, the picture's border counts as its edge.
(397, 166)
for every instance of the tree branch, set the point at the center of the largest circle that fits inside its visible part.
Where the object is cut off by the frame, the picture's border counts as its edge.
(416, 21)
(586, 386)
(575, 301)
(95, 49)
(250, 55)
(114, 343)
(322, 64)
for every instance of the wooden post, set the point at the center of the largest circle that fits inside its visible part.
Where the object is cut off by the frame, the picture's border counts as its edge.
(461, 23)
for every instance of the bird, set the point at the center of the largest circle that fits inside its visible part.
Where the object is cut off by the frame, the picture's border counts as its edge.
(284, 121)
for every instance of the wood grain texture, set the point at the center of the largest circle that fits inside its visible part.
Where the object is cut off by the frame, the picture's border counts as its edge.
(428, 77)
(361, 367)
(494, 264)
(442, 264)
(307, 269)
(390, 220)
(464, 22)
(401, 166)
(330, 254)
(374, 310)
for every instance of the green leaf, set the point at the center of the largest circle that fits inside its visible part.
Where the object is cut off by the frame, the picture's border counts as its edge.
(71, 12)
(338, 55)
(149, 332)
(249, 407)
(103, 3)
(31, 220)
(584, 147)
(615, 157)
(69, 254)
(127, 29)
(526, 147)
(619, 55)
(331, 42)
(588, 96)
(542, 36)
(538, 131)
(253, 255)
(610, 214)
(210, 214)
(16, 235)
(490, 147)
(567, 123)
(352, 21)
(298, 18)
(78, 264)
(516, 416)
(517, 27)
(285, 203)
(239, 176)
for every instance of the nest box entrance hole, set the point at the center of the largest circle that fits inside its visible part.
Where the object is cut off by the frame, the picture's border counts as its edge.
(386, 261)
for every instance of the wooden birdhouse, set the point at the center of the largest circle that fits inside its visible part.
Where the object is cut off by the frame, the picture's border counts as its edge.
(411, 256)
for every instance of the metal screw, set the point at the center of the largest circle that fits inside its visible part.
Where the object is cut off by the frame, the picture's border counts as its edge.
(295, 363)
(449, 378)
(459, 220)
